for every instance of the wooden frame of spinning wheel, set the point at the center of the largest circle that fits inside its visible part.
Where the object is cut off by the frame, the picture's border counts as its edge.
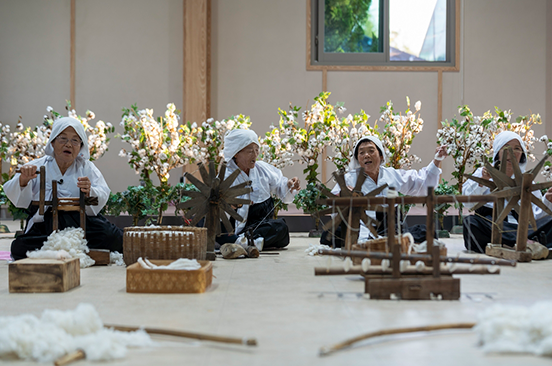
(513, 190)
(214, 201)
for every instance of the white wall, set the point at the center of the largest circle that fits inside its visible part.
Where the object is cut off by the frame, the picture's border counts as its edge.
(131, 51)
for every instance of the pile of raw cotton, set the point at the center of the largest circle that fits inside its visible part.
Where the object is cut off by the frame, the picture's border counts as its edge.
(64, 244)
(57, 333)
(516, 329)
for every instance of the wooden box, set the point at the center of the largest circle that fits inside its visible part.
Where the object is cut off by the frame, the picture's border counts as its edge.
(164, 242)
(379, 245)
(167, 281)
(417, 288)
(43, 275)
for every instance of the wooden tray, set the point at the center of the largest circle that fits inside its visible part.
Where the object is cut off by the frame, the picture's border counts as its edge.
(43, 275)
(164, 242)
(168, 281)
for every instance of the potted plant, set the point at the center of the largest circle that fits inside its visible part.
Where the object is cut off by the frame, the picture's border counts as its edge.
(442, 189)
(306, 200)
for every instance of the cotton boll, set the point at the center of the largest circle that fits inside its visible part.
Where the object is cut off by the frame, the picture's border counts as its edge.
(366, 264)
(347, 264)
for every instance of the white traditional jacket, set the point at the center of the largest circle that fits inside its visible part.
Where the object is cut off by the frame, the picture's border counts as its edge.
(265, 181)
(22, 196)
(472, 188)
(408, 182)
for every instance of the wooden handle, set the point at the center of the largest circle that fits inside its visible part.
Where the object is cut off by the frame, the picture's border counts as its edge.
(19, 171)
(70, 357)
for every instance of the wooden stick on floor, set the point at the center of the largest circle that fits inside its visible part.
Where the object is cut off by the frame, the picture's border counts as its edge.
(176, 333)
(324, 351)
(79, 354)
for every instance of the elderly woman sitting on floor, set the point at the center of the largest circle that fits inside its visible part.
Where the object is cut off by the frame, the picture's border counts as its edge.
(67, 162)
(368, 158)
(241, 149)
(478, 228)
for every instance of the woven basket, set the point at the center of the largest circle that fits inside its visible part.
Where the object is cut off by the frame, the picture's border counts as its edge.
(168, 281)
(164, 242)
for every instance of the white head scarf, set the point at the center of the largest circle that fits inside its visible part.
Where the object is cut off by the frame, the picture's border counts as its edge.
(59, 126)
(236, 140)
(502, 139)
(354, 164)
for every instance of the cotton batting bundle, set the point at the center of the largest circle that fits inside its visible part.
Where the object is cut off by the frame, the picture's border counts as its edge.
(71, 240)
(57, 333)
(516, 329)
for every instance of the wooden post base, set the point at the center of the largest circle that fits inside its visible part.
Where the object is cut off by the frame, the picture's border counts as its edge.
(210, 256)
(418, 288)
(43, 275)
(100, 256)
(499, 251)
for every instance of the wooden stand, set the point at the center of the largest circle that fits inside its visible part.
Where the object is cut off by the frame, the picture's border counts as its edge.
(393, 284)
(43, 275)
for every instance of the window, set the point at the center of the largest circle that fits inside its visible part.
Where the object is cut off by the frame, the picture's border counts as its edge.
(383, 34)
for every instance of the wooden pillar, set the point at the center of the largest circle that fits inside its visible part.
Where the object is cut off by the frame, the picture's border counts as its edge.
(196, 103)
(72, 56)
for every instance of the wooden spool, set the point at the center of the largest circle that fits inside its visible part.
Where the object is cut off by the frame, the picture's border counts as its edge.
(43, 275)
(164, 242)
(175, 281)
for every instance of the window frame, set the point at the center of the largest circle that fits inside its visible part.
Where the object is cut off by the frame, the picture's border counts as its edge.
(380, 62)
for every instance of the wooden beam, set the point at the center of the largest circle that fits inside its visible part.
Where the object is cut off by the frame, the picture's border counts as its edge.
(72, 51)
(196, 63)
(196, 79)
(439, 98)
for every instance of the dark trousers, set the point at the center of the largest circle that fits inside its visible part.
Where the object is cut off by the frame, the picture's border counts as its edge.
(100, 233)
(261, 224)
(477, 232)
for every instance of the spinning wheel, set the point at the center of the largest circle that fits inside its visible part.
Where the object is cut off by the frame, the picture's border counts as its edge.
(514, 190)
(353, 213)
(214, 200)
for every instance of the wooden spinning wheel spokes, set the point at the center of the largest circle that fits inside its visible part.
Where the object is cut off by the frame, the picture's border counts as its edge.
(214, 201)
(351, 215)
(512, 189)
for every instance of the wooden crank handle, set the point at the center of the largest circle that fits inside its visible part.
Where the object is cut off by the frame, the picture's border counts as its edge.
(19, 171)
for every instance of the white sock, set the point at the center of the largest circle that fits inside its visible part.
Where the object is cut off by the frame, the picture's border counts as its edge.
(259, 243)
(242, 240)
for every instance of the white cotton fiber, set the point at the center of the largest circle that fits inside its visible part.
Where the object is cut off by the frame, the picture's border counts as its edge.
(49, 254)
(116, 258)
(72, 241)
(58, 332)
(179, 264)
(516, 329)
(312, 250)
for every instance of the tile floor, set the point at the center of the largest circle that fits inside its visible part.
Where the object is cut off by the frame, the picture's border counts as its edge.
(278, 300)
